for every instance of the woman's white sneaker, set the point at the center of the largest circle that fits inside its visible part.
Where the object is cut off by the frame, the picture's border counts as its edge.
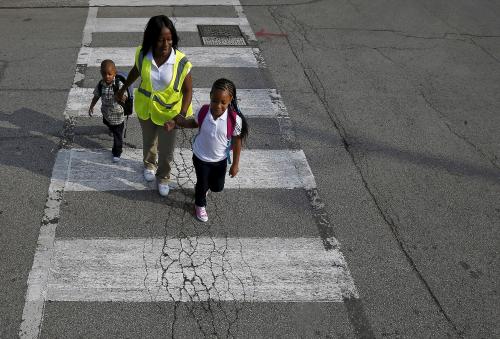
(149, 174)
(163, 189)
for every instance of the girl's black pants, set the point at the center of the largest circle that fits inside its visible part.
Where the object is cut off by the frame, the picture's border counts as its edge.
(209, 176)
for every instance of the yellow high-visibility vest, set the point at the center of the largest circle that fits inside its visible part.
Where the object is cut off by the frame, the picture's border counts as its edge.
(163, 105)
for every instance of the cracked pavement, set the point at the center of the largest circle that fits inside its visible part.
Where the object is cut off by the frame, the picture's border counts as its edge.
(412, 100)
(396, 106)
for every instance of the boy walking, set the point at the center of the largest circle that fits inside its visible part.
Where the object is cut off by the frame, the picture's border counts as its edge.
(112, 112)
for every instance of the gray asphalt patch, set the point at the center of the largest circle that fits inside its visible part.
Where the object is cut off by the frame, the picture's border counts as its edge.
(140, 214)
(195, 320)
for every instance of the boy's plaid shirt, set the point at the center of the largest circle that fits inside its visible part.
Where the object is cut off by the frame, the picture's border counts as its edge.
(111, 110)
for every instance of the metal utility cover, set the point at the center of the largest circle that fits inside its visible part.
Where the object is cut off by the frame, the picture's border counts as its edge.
(221, 35)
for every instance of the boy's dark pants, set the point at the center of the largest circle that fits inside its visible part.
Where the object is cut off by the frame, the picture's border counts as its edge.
(209, 175)
(117, 131)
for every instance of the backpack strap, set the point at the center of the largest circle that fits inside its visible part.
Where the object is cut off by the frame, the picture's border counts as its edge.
(231, 122)
(99, 88)
(116, 84)
(231, 119)
(202, 114)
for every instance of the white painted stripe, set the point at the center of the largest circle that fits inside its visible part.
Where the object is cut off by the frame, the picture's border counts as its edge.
(247, 269)
(94, 171)
(90, 25)
(252, 102)
(241, 14)
(182, 24)
(199, 56)
(86, 40)
(36, 293)
(143, 3)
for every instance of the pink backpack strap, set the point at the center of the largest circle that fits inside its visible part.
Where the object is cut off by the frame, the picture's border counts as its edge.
(231, 122)
(231, 119)
(202, 114)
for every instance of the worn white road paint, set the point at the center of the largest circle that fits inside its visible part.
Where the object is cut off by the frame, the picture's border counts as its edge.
(265, 103)
(196, 269)
(199, 56)
(182, 24)
(144, 3)
(90, 26)
(93, 170)
(36, 293)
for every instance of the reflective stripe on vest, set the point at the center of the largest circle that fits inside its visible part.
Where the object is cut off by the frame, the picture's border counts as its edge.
(167, 106)
(158, 100)
(180, 68)
(143, 91)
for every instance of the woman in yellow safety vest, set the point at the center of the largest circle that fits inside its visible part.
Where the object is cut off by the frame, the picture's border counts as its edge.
(165, 91)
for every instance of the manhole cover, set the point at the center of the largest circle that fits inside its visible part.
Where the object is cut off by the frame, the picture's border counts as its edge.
(221, 35)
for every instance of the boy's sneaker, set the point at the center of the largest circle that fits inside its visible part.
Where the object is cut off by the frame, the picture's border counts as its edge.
(163, 189)
(201, 213)
(149, 174)
(116, 159)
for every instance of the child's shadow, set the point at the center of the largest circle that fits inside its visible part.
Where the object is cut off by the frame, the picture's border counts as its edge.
(31, 140)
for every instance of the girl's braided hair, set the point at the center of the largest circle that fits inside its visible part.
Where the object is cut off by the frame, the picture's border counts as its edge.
(228, 85)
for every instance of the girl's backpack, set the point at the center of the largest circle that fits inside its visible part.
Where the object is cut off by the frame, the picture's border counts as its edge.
(231, 122)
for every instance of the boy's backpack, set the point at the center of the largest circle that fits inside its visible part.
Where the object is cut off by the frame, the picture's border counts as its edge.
(128, 105)
(231, 122)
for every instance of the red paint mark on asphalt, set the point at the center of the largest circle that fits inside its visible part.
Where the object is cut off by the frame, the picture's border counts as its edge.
(262, 32)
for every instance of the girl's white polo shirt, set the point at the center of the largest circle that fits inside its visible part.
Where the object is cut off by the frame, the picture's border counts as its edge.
(211, 142)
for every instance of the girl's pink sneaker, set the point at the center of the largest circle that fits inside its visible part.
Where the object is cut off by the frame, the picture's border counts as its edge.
(201, 213)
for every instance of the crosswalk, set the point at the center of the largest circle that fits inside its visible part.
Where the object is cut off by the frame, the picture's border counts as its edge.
(259, 102)
(199, 56)
(190, 266)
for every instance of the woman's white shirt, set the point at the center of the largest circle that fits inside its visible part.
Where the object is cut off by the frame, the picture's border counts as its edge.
(161, 76)
(211, 142)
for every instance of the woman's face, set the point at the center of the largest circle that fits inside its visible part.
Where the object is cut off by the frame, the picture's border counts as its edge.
(164, 43)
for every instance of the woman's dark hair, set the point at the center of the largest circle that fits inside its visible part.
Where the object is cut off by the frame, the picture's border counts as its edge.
(228, 85)
(153, 30)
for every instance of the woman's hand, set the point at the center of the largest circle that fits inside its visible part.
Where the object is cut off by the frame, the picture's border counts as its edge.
(119, 96)
(233, 170)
